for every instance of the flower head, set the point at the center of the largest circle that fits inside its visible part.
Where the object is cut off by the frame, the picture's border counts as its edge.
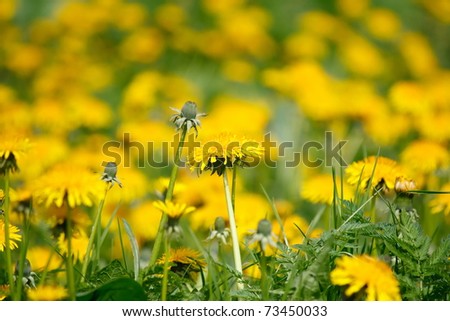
(79, 244)
(263, 236)
(364, 273)
(174, 211)
(187, 116)
(109, 174)
(220, 231)
(385, 172)
(47, 293)
(72, 184)
(441, 203)
(321, 189)
(13, 236)
(425, 157)
(225, 150)
(11, 150)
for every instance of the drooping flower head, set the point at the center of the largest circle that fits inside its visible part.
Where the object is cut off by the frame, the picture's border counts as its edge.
(364, 273)
(384, 175)
(187, 116)
(11, 150)
(223, 151)
(68, 183)
(14, 236)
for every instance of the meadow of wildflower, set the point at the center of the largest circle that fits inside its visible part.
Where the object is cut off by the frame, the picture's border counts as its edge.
(224, 150)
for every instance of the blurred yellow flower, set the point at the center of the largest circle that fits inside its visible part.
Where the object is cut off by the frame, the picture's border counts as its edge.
(434, 125)
(362, 57)
(383, 175)
(253, 117)
(353, 9)
(129, 16)
(14, 236)
(47, 293)
(424, 157)
(305, 45)
(439, 8)
(42, 258)
(238, 70)
(69, 183)
(441, 203)
(170, 16)
(4, 291)
(7, 9)
(383, 24)
(364, 273)
(321, 189)
(24, 58)
(418, 55)
(79, 244)
(144, 220)
(143, 45)
(409, 97)
(12, 149)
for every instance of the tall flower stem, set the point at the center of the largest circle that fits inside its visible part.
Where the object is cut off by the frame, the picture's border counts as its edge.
(168, 197)
(233, 188)
(95, 234)
(69, 258)
(165, 279)
(234, 235)
(9, 268)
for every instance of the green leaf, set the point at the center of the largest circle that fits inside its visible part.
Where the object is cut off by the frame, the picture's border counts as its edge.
(134, 247)
(121, 289)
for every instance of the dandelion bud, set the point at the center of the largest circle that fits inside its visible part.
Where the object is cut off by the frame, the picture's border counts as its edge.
(109, 174)
(189, 110)
(264, 228)
(219, 224)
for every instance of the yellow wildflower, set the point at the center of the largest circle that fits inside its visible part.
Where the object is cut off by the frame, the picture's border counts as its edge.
(47, 293)
(366, 273)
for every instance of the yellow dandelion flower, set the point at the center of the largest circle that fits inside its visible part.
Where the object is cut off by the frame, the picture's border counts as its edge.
(79, 244)
(144, 220)
(383, 24)
(225, 150)
(384, 175)
(174, 210)
(13, 236)
(425, 156)
(368, 274)
(162, 184)
(41, 257)
(2, 196)
(183, 256)
(47, 293)
(441, 203)
(320, 189)
(11, 150)
(75, 185)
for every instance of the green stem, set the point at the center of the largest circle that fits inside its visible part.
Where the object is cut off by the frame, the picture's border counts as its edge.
(373, 218)
(264, 278)
(169, 194)
(234, 235)
(9, 267)
(95, 233)
(233, 188)
(23, 254)
(165, 279)
(69, 258)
